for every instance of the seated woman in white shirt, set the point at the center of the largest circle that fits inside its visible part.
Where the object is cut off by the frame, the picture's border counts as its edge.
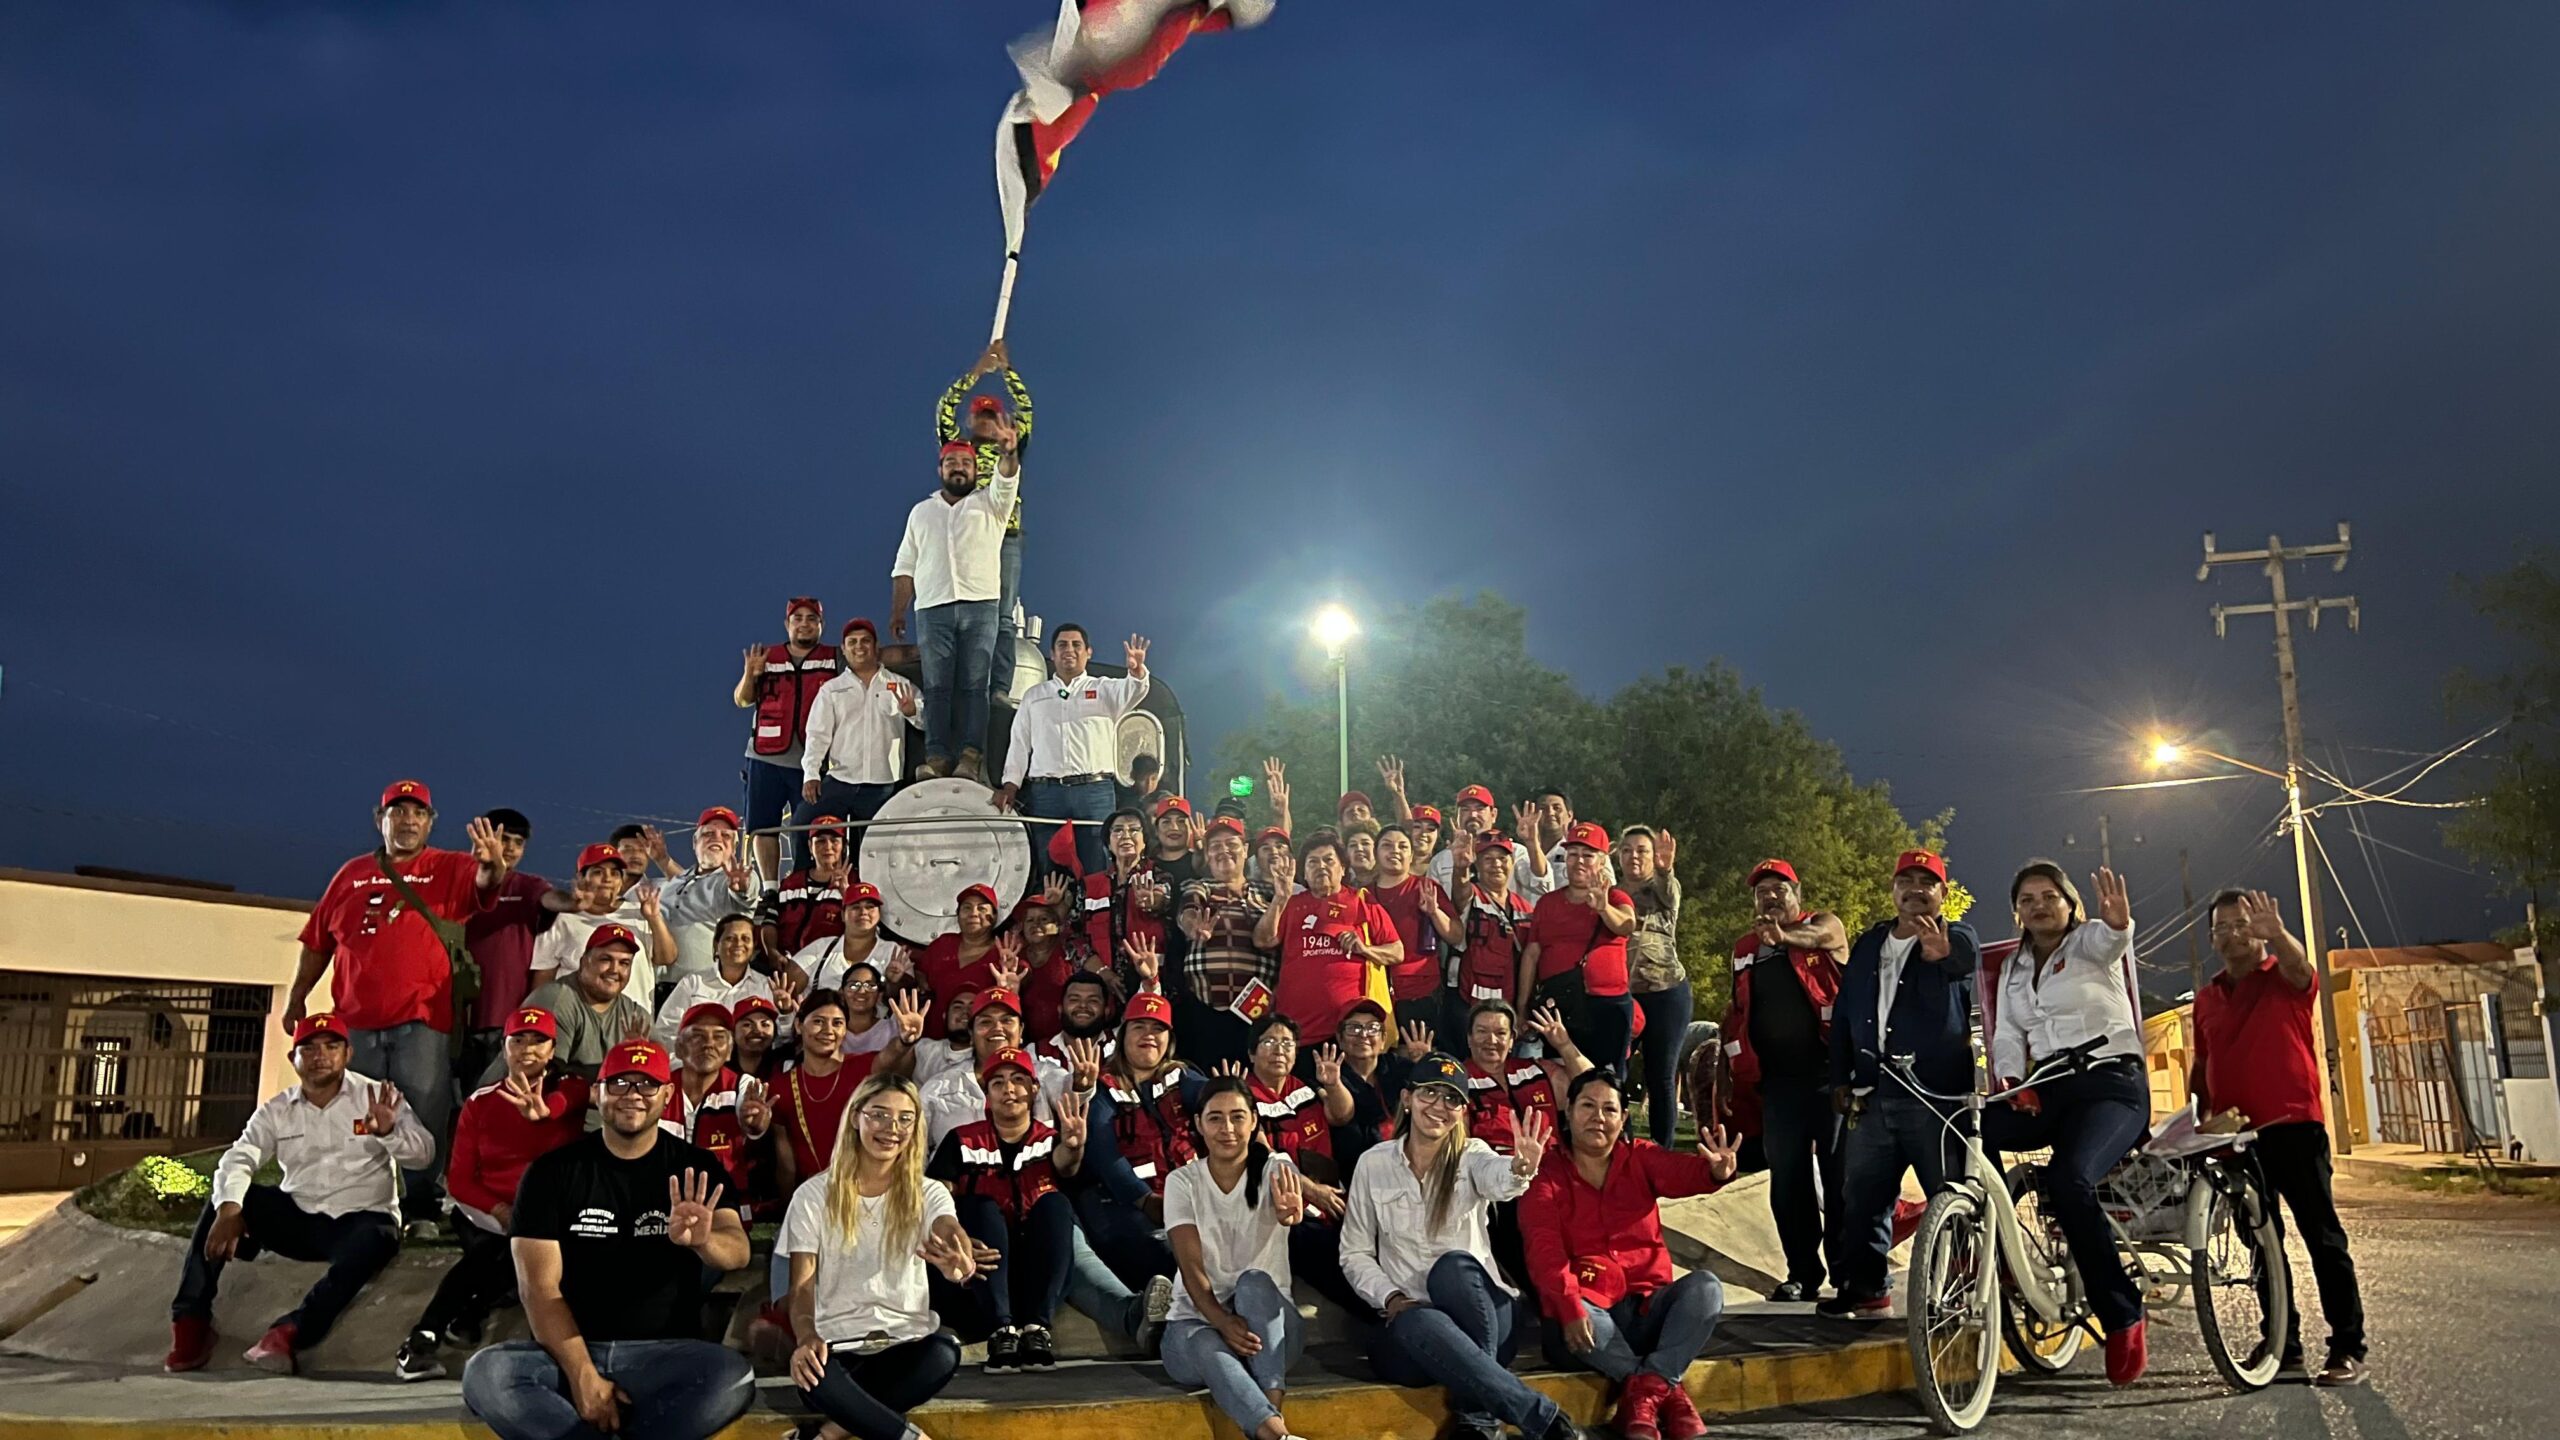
(1233, 1327)
(860, 1234)
(2071, 982)
(731, 979)
(1415, 1244)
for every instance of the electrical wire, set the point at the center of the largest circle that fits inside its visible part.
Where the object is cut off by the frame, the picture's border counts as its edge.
(2349, 900)
(2360, 796)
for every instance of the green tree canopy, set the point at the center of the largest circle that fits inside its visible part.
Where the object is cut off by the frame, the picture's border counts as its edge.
(1452, 689)
(2515, 830)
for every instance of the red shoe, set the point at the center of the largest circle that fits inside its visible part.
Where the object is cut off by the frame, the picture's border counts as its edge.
(2128, 1353)
(274, 1350)
(190, 1344)
(1906, 1218)
(1638, 1404)
(1680, 1417)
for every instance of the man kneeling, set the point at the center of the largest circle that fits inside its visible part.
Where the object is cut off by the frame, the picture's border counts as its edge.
(341, 1139)
(616, 1237)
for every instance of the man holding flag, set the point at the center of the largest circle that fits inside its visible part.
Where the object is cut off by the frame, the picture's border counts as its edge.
(999, 441)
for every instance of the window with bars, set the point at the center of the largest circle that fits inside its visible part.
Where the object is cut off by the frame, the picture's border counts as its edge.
(88, 1057)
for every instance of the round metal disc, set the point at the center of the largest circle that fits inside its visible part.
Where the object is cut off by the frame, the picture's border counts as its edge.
(941, 837)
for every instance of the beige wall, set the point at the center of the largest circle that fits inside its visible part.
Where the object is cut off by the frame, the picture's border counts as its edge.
(71, 925)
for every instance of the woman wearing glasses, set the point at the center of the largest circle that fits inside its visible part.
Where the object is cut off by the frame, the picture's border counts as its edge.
(1229, 1214)
(1416, 1247)
(860, 1235)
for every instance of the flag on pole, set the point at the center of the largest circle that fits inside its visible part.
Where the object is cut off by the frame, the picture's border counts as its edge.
(1097, 48)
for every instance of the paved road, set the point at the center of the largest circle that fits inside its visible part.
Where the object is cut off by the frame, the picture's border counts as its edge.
(2462, 1298)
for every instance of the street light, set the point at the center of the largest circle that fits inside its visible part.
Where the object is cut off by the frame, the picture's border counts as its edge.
(1334, 628)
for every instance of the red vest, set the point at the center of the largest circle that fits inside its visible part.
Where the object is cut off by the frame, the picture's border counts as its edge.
(785, 692)
(983, 1171)
(1524, 1084)
(1820, 976)
(1148, 1121)
(1109, 919)
(807, 909)
(714, 1125)
(1293, 1121)
(1490, 969)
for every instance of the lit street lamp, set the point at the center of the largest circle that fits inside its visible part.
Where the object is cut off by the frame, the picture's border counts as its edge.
(1334, 627)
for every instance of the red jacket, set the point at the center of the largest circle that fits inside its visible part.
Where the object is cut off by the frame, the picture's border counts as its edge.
(1565, 1223)
(1820, 976)
(493, 1142)
(1526, 1083)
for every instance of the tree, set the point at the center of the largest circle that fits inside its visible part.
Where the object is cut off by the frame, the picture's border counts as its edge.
(2515, 827)
(1452, 689)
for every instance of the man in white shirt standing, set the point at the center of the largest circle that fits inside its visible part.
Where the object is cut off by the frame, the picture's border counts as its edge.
(1066, 744)
(857, 745)
(341, 1139)
(946, 575)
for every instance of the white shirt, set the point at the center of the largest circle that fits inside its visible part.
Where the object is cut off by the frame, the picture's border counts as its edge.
(1888, 980)
(952, 551)
(707, 989)
(1234, 1237)
(857, 733)
(558, 950)
(2087, 991)
(1388, 1243)
(1525, 883)
(871, 1294)
(953, 1097)
(823, 961)
(329, 1169)
(1071, 727)
(936, 1058)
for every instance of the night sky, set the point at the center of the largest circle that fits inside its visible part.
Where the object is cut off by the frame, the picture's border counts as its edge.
(452, 390)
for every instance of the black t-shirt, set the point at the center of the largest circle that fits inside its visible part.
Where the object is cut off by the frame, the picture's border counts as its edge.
(1784, 1029)
(1371, 1104)
(944, 1164)
(622, 1277)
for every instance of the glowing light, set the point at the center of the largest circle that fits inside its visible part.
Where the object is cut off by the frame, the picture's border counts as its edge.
(1333, 627)
(2167, 752)
(1241, 786)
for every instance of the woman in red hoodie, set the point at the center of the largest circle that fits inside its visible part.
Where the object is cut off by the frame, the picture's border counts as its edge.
(1594, 1229)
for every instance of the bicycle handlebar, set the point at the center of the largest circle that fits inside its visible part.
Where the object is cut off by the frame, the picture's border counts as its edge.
(2068, 1062)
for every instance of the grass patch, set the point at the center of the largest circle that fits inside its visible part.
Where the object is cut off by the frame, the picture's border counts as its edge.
(2454, 1184)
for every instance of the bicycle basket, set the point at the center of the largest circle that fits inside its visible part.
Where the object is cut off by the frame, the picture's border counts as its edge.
(2146, 1196)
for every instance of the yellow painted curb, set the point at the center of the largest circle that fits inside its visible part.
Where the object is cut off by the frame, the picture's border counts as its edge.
(1729, 1385)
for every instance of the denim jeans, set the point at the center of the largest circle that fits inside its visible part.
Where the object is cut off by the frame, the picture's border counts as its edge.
(355, 1247)
(1121, 1237)
(1051, 800)
(1008, 598)
(1801, 1138)
(846, 801)
(1666, 1024)
(871, 1394)
(1896, 1132)
(1661, 1332)
(679, 1389)
(1464, 1338)
(418, 1058)
(959, 644)
(1196, 1355)
(1097, 1292)
(2092, 1120)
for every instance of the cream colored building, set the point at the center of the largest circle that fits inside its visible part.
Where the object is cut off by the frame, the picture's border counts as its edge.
(135, 1019)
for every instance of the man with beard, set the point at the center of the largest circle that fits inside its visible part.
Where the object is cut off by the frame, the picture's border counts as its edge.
(1084, 1013)
(947, 575)
(857, 749)
(695, 902)
(591, 1006)
(1531, 875)
(1000, 441)
(1777, 1040)
(617, 1237)
(780, 684)
(1066, 741)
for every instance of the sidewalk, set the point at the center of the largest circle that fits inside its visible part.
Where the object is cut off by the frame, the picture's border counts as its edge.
(2385, 1161)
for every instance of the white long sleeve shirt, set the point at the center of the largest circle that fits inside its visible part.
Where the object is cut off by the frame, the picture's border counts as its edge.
(952, 551)
(857, 734)
(328, 1167)
(1388, 1242)
(1071, 727)
(2086, 991)
(703, 988)
(954, 1097)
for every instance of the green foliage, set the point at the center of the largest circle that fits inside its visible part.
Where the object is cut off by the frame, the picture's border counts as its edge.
(1452, 690)
(2515, 829)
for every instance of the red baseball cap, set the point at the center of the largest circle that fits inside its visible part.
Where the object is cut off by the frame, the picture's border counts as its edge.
(1477, 794)
(984, 892)
(1779, 868)
(721, 813)
(1011, 1057)
(1272, 832)
(598, 854)
(1148, 1005)
(636, 1057)
(1230, 825)
(399, 790)
(1928, 860)
(828, 825)
(1365, 1003)
(708, 1010)
(993, 996)
(1350, 795)
(1494, 840)
(754, 1005)
(1588, 835)
(961, 447)
(862, 892)
(799, 603)
(534, 1020)
(985, 405)
(613, 935)
(324, 1023)
(1171, 803)
(1428, 814)
(861, 624)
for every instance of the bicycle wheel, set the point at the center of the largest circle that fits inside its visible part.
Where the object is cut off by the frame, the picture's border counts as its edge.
(2043, 1346)
(1955, 1346)
(2243, 1288)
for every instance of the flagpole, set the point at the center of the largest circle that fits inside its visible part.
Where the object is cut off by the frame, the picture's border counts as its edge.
(1004, 296)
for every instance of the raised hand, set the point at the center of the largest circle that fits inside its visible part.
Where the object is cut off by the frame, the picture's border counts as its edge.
(1665, 850)
(1391, 773)
(1134, 650)
(789, 984)
(949, 1255)
(1722, 1149)
(1055, 890)
(2266, 922)
(1284, 875)
(1288, 1195)
(1145, 958)
(1275, 781)
(1195, 833)
(741, 879)
(1328, 1060)
(1417, 1040)
(1547, 1023)
(1524, 819)
(656, 840)
(526, 1096)
(382, 1112)
(2114, 906)
(1530, 1131)
(485, 842)
(649, 901)
(1084, 1063)
(1008, 966)
(1932, 929)
(906, 1009)
(755, 1109)
(755, 661)
(1231, 1067)
(690, 1199)
(903, 694)
(1074, 1108)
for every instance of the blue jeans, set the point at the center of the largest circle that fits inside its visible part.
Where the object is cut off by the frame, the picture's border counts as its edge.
(1666, 1024)
(772, 791)
(1196, 1355)
(1465, 1339)
(1895, 1132)
(418, 1058)
(1801, 1139)
(2092, 1120)
(870, 1395)
(1052, 800)
(959, 643)
(1097, 1292)
(679, 1389)
(1008, 596)
(846, 801)
(1661, 1332)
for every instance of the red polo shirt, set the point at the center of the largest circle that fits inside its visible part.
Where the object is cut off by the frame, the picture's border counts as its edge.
(2253, 1047)
(1569, 934)
(387, 966)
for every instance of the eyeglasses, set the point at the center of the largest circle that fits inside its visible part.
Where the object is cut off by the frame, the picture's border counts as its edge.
(896, 1122)
(1364, 1027)
(862, 985)
(632, 1085)
(1277, 1040)
(1439, 1097)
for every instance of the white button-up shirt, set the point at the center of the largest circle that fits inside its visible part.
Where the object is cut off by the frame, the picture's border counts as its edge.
(2087, 991)
(857, 733)
(951, 551)
(954, 1097)
(1071, 727)
(1889, 962)
(329, 1169)
(1388, 1243)
(704, 988)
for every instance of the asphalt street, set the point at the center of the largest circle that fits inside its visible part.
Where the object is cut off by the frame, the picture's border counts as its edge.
(2461, 1296)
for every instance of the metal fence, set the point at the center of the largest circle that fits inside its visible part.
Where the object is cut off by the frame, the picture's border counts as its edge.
(2435, 1077)
(87, 1059)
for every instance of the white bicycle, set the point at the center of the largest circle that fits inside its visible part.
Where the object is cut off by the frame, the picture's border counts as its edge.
(1987, 1263)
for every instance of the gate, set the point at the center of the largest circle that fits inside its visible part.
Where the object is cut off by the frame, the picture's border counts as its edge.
(96, 1072)
(2435, 1077)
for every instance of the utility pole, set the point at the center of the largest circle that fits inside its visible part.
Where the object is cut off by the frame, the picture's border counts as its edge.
(2195, 947)
(2282, 608)
(2106, 850)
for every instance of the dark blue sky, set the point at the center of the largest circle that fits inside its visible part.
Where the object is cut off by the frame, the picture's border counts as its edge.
(453, 389)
